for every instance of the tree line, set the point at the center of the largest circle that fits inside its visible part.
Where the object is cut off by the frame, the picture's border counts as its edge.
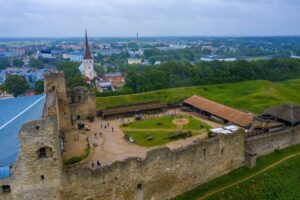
(178, 74)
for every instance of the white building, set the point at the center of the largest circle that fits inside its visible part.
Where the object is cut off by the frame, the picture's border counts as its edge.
(76, 56)
(134, 61)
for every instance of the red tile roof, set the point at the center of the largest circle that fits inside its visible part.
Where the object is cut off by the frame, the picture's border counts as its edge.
(230, 114)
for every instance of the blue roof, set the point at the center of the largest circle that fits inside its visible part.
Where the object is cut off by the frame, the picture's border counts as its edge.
(76, 53)
(14, 113)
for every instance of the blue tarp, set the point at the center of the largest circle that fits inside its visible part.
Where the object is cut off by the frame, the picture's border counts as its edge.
(14, 113)
(4, 172)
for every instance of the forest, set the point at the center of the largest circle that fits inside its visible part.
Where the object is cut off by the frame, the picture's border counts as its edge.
(179, 74)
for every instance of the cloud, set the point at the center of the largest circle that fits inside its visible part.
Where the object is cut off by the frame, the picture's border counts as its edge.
(55, 18)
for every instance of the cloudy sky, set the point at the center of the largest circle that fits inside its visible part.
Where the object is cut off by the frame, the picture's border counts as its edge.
(67, 18)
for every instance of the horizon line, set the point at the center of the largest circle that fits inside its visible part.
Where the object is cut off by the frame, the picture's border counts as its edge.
(154, 36)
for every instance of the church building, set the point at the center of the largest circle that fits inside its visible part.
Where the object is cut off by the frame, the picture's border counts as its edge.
(87, 66)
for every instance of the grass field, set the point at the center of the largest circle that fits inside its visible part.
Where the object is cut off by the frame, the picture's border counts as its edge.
(253, 96)
(160, 129)
(275, 183)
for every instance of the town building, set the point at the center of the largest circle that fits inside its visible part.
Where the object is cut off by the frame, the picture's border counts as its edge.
(104, 85)
(217, 58)
(139, 52)
(134, 61)
(117, 79)
(76, 56)
(45, 54)
(210, 48)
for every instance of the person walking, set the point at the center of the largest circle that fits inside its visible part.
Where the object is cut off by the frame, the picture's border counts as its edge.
(98, 163)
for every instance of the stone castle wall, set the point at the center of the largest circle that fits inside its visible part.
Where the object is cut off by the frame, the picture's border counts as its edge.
(34, 176)
(163, 174)
(83, 103)
(267, 143)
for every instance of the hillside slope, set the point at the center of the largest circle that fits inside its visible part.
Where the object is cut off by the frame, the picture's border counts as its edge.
(253, 96)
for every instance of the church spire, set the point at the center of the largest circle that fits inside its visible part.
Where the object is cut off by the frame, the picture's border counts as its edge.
(87, 53)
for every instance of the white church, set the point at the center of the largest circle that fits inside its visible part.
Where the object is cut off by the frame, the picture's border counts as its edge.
(87, 66)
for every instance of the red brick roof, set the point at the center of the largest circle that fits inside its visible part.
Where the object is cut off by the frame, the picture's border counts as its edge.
(224, 112)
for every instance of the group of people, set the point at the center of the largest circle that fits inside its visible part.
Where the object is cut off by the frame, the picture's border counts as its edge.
(106, 126)
(98, 164)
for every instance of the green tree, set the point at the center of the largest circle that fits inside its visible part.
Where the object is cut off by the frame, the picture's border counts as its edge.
(72, 74)
(39, 87)
(17, 62)
(98, 68)
(132, 81)
(36, 63)
(16, 85)
(4, 63)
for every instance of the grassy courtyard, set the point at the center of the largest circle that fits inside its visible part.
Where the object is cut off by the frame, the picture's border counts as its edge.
(260, 182)
(161, 128)
(253, 96)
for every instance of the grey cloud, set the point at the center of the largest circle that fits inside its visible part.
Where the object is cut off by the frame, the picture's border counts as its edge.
(149, 17)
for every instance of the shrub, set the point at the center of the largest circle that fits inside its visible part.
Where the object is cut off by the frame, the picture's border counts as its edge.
(277, 151)
(77, 159)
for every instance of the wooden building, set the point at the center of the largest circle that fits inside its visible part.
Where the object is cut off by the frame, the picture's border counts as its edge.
(217, 111)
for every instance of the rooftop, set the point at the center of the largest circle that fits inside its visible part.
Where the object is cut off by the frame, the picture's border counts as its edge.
(225, 112)
(116, 74)
(14, 112)
(289, 113)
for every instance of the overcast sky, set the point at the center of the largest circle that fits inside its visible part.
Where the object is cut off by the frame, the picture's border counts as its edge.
(67, 18)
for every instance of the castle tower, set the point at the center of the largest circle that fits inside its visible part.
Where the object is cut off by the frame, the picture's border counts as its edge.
(88, 61)
(55, 84)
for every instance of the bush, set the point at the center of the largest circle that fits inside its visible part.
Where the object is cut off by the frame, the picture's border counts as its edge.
(77, 159)
(159, 123)
(277, 151)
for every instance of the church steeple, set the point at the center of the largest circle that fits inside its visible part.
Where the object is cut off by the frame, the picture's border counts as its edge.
(87, 53)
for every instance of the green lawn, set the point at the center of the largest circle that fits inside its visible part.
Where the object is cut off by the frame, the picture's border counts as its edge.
(253, 96)
(160, 129)
(280, 182)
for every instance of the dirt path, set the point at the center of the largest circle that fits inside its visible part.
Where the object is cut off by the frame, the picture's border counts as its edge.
(248, 177)
(162, 130)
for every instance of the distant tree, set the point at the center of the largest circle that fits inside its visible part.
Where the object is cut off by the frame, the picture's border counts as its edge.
(4, 63)
(110, 69)
(36, 63)
(17, 62)
(98, 68)
(39, 87)
(132, 81)
(72, 74)
(16, 85)
(77, 81)
(2, 88)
